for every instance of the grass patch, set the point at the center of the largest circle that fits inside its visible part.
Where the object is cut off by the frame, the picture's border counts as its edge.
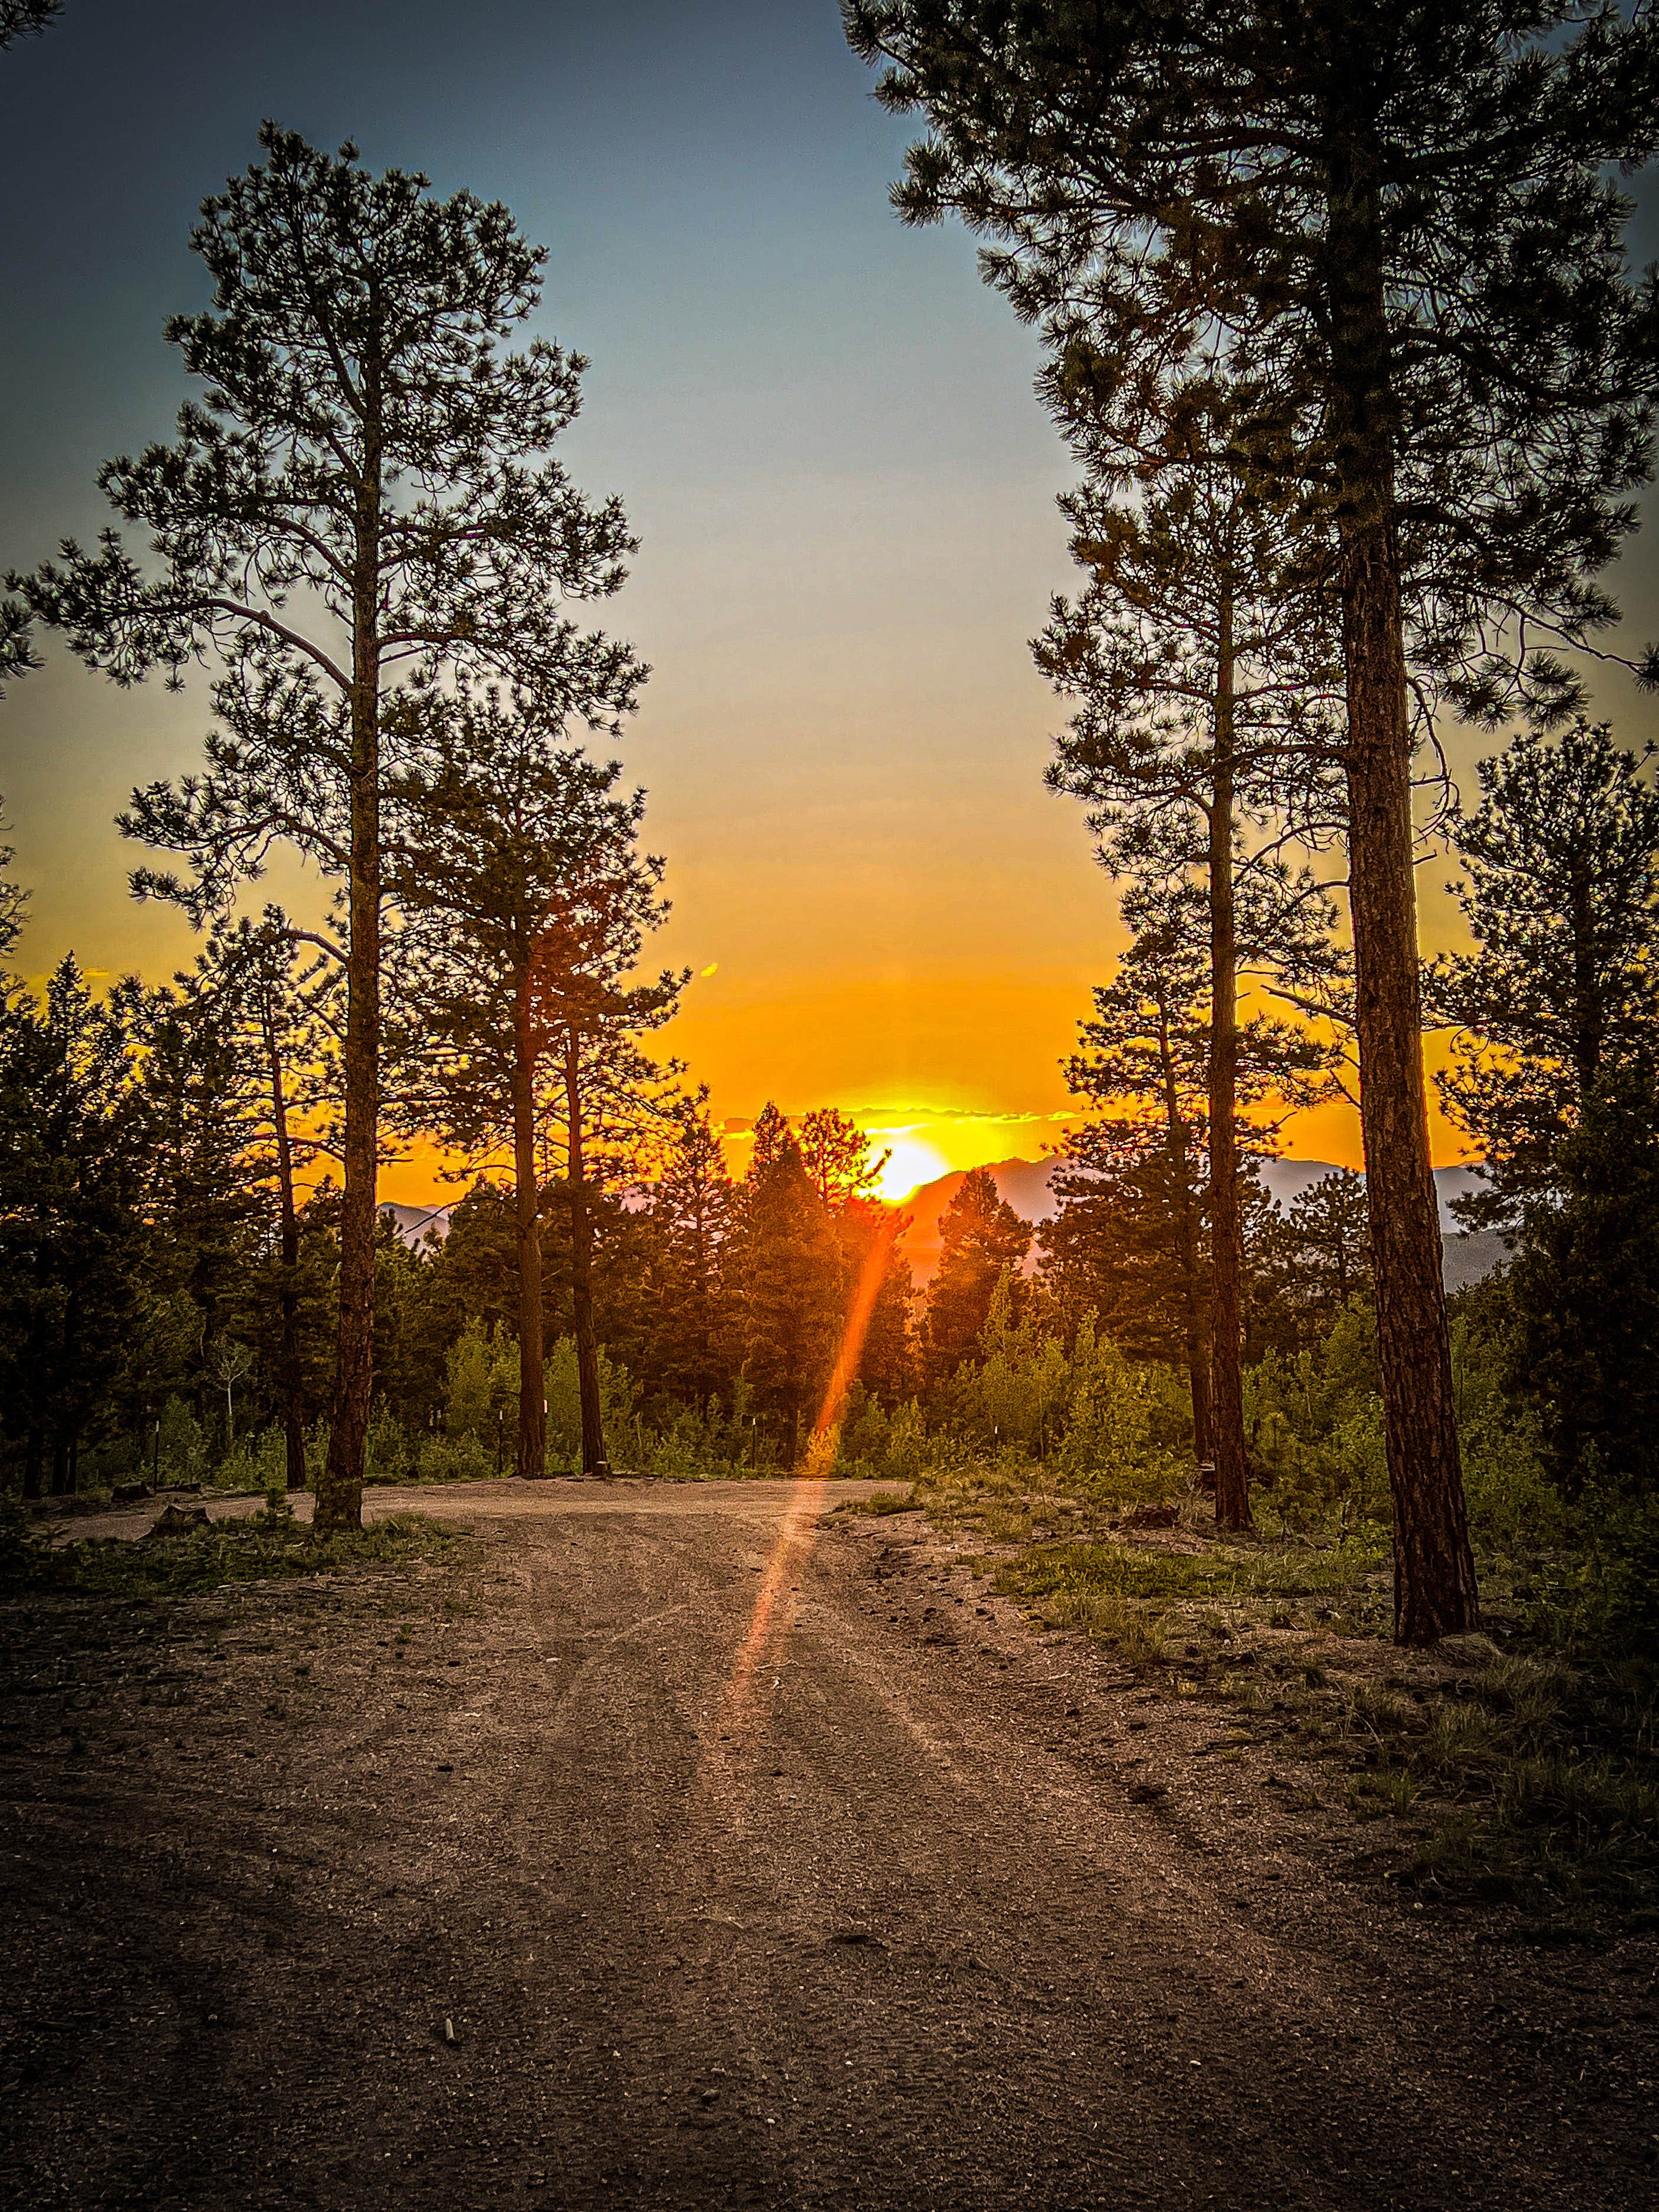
(1529, 1771)
(1152, 1573)
(261, 1547)
(883, 1501)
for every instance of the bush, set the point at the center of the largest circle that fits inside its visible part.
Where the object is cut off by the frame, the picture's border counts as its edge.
(700, 1444)
(618, 1398)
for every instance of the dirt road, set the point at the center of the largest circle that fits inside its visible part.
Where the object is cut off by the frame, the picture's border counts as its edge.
(750, 1859)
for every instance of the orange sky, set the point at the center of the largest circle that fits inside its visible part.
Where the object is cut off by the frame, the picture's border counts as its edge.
(823, 428)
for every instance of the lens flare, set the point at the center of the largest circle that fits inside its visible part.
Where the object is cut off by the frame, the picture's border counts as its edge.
(793, 1547)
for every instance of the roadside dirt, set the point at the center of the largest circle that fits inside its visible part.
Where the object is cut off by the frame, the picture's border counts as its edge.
(749, 1857)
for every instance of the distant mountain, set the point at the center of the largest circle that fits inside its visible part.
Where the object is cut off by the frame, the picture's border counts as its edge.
(1024, 1185)
(1027, 1186)
(1467, 1259)
(1286, 1180)
(412, 1223)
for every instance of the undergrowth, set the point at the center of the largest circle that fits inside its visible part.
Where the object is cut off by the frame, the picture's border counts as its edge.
(264, 1546)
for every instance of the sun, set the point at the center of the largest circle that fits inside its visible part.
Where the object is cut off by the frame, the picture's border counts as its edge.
(913, 1163)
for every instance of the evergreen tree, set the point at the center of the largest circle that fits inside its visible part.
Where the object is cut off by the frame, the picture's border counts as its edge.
(14, 903)
(981, 1238)
(605, 1105)
(71, 1233)
(693, 1210)
(838, 1156)
(1584, 1289)
(524, 892)
(1398, 226)
(286, 1017)
(201, 1207)
(1560, 891)
(1206, 684)
(791, 1272)
(878, 1283)
(1131, 1188)
(369, 461)
(20, 19)
(1310, 1262)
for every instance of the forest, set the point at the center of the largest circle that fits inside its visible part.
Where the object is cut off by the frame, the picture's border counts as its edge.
(363, 532)
(653, 1680)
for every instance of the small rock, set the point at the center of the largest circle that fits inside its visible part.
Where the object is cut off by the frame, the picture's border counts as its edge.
(176, 1521)
(1153, 1516)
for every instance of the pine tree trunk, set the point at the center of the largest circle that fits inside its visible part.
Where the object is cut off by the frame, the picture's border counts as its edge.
(340, 1491)
(1435, 1590)
(1186, 1257)
(293, 1407)
(1232, 1488)
(532, 1461)
(581, 1272)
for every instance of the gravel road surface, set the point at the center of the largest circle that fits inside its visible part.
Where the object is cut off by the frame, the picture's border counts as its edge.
(688, 1846)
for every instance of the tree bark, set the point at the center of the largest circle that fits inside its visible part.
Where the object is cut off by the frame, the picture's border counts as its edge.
(1435, 1592)
(1232, 1488)
(581, 1269)
(293, 1406)
(532, 1461)
(1187, 1258)
(340, 1491)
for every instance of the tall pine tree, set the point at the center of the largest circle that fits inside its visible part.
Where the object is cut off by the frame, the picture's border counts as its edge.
(1560, 891)
(366, 494)
(1399, 223)
(525, 902)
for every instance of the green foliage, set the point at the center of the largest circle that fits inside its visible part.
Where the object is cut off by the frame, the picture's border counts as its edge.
(907, 1445)
(981, 1241)
(703, 1444)
(1583, 1292)
(482, 1370)
(253, 1548)
(1314, 1422)
(1122, 1418)
(618, 1401)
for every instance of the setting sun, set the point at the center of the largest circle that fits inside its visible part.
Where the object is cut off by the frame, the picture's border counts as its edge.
(911, 1164)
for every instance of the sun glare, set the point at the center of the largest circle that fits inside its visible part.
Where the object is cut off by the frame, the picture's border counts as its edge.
(912, 1164)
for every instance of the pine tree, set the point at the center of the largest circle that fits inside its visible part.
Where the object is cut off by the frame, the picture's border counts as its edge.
(1560, 891)
(981, 1238)
(287, 1013)
(790, 1270)
(841, 1160)
(20, 19)
(1583, 1291)
(201, 1205)
(1398, 224)
(693, 1211)
(14, 904)
(72, 1233)
(526, 900)
(1310, 1262)
(1205, 688)
(369, 461)
(1132, 1192)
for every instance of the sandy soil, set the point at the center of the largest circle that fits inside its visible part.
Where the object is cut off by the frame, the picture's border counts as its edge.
(680, 1847)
